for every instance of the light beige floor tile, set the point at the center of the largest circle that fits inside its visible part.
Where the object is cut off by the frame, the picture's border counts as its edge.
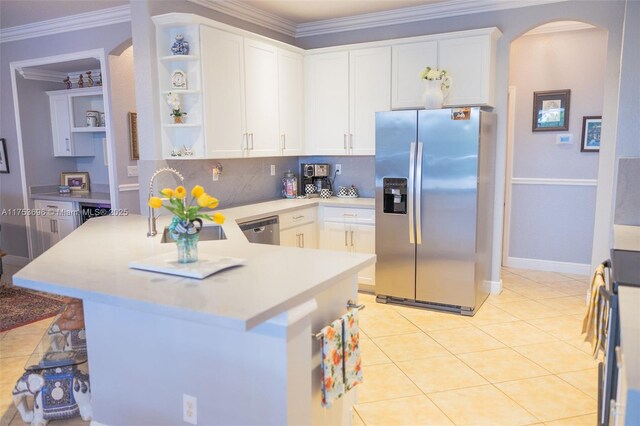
(368, 299)
(538, 292)
(4, 333)
(571, 287)
(578, 277)
(406, 347)
(18, 345)
(415, 410)
(549, 398)
(588, 420)
(529, 309)
(505, 297)
(441, 374)
(585, 380)
(39, 328)
(501, 365)
(371, 353)
(362, 334)
(517, 333)
(490, 314)
(357, 420)
(568, 305)
(384, 322)
(467, 339)
(385, 381)
(565, 327)
(542, 276)
(7, 414)
(482, 405)
(431, 320)
(579, 343)
(11, 369)
(557, 357)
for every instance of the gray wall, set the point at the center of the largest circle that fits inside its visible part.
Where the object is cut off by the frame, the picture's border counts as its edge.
(567, 60)
(13, 237)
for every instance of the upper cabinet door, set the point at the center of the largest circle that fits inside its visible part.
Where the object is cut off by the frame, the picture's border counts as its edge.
(261, 79)
(409, 60)
(468, 62)
(291, 101)
(370, 92)
(223, 93)
(327, 107)
(60, 125)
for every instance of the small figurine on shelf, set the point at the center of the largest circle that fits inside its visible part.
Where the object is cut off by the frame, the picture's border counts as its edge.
(99, 82)
(67, 82)
(89, 79)
(180, 46)
(176, 108)
(187, 152)
(80, 82)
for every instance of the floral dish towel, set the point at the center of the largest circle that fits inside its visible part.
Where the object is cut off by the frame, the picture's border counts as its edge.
(352, 358)
(332, 366)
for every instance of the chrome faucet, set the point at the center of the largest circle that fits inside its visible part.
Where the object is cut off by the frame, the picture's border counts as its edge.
(151, 220)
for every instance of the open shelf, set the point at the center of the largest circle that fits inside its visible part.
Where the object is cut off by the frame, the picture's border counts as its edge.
(88, 129)
(172, 58)
(184, 91)
(181, 125)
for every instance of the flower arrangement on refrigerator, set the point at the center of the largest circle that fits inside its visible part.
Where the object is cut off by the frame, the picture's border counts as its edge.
(435, 74)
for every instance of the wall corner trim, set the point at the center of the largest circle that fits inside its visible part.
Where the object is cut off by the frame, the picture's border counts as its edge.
(495, 287)
(80, 21)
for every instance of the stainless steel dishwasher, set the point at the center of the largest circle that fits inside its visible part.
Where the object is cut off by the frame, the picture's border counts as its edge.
(262, 231)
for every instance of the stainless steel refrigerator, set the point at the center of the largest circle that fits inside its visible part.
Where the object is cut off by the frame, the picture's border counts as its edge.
(435, 181)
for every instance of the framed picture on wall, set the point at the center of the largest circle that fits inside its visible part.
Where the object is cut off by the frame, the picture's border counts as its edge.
(551, 110)
(591, 133)
(4, 161)
(134, 150)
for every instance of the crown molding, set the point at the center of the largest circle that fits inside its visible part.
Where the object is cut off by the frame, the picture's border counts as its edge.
(80, 21)
(250, 14)
(559, 26)
(407, 15)
(47, 75)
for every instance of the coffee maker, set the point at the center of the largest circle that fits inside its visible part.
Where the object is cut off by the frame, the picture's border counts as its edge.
(313, 178)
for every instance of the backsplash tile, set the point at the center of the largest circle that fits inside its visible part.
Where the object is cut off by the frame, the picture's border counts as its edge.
(359, 171)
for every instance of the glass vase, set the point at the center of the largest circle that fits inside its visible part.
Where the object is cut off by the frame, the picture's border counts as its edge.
(187, 248)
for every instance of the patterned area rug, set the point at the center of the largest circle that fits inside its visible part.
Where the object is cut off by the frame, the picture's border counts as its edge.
(20, 307)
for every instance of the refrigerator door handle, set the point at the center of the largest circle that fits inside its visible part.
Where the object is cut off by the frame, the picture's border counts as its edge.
(418, 189)
(410, 186)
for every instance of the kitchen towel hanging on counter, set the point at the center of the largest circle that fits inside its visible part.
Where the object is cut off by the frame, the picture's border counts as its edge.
(332, 363)
(596, 318)
(352, 358)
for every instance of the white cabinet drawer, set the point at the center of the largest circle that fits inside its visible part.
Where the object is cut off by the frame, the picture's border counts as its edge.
(348, 214)
(297, 217)
(55, 208)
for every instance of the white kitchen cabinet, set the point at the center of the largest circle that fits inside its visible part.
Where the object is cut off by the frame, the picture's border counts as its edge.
(70, 134)
(350, 230)
(467, 56)
(345, 89)
(299, 228)
(291, 101)
(57, 220)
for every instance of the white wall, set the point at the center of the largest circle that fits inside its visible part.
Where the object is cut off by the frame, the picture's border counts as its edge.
(554, 221)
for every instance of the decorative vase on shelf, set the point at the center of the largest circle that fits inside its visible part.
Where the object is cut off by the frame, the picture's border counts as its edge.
(432, 97)
(178, 119)
(180, 46)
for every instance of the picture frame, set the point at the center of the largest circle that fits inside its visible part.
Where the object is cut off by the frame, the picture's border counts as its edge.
(76, 181)
(134, 149)
(551, 110)
(4, 160)
(591, 129)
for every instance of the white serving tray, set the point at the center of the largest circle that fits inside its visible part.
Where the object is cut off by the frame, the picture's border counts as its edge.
(205, 266)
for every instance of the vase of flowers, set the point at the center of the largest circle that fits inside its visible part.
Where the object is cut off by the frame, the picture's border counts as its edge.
(437, 85)
(187, 217)
(176, 108)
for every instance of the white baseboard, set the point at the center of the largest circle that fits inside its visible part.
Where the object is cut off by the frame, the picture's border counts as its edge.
(94, 423)
(549, 265)
(495, 287)
(15, 260)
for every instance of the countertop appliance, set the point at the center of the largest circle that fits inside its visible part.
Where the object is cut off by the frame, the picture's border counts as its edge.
(316, 174)
(262, 231)
(434, 207)
(91, 210)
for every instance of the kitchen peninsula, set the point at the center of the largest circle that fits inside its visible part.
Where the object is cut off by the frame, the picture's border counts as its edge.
(239, 341)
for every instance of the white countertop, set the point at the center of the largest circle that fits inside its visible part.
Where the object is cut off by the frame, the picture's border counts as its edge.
(92, 264)
(87, 197)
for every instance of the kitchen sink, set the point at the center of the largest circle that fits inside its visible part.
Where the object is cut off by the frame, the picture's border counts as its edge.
(207, 233)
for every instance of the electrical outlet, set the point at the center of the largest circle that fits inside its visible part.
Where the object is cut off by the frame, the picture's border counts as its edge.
(215, 174)
(189, 409)
(132, 171)
(273, 170)
(338, 169)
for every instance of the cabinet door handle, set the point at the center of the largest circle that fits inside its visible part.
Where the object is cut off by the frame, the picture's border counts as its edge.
(344, 141)
(245, 137)
(52, 207)
(251, 141)
(350, 214)
(67, 144)
(54, 226)
(345, 239)
(284, 142)
(297, 217)
(351, 142)
(351, 238)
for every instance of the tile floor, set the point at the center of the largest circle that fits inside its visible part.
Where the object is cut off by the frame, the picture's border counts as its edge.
(519, 361)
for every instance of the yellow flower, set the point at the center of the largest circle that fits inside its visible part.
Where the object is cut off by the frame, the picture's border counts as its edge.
(197, 191)
(167, 192)
(213, 203)
(204, 200)
(155, 202)
(218, 218)
(180, 192)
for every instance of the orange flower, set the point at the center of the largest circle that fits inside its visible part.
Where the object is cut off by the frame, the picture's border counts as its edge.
(351, 321)
(331, 332)
(354, 341)
(335, 356)
(358, 367)
(328, 382)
